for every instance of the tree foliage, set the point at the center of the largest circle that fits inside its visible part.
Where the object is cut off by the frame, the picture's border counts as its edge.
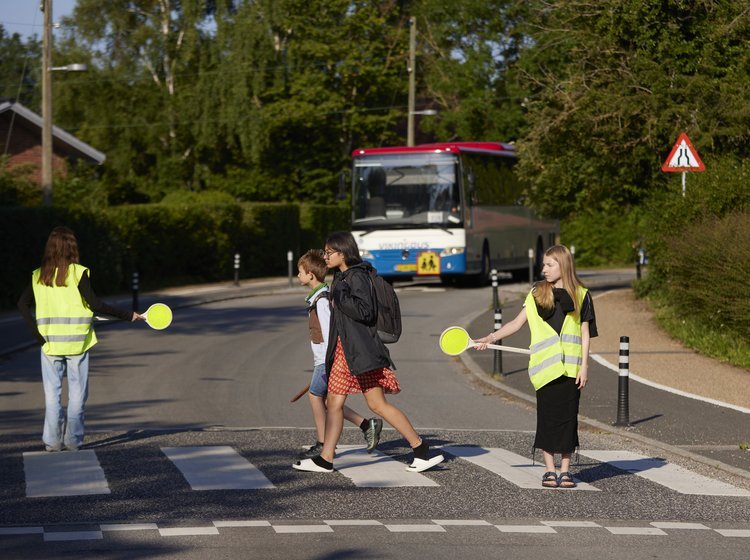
(611, 84)
(265, 99)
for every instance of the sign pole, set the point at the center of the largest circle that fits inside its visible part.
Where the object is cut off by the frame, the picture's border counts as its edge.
(683, 183)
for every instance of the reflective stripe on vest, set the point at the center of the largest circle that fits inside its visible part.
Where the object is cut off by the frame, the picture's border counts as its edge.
(62, 316)
(554, 355)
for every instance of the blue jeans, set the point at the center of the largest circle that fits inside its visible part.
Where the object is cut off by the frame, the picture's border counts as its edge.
(76, 368)
(319, 381)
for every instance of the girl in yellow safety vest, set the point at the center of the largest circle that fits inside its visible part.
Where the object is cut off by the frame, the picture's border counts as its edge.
(561, 318)
(65, 304)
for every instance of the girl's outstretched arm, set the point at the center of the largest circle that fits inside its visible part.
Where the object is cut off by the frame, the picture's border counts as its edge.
(506, 330)
(583, 374)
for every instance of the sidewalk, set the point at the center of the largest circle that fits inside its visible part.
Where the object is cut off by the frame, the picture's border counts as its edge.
(657, 357)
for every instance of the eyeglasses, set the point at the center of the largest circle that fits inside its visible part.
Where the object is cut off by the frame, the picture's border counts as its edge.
(328, 253)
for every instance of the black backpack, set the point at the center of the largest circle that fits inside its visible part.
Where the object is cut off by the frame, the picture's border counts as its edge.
(389, 310)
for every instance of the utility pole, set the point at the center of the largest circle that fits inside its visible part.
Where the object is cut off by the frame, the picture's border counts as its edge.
(412, 80)
(47, 104)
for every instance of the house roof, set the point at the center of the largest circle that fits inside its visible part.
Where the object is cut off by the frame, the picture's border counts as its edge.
(59, 136)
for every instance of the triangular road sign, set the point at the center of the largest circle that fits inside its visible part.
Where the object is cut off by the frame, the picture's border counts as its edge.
(683, 157)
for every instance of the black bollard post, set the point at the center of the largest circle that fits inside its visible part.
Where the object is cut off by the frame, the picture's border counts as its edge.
(236, 269)
(135, 286)
(623, 403)
(289, 257)
(498, 358)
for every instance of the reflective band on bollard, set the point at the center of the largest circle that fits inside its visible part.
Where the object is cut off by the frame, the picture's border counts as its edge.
(236, 269)
(497, 366)
(623, 404)
(498, 363)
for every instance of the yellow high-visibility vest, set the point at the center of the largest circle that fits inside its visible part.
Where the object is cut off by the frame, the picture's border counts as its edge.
(554, 355)
(62, 315)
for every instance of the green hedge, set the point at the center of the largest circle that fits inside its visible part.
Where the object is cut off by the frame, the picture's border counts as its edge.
(168, 243)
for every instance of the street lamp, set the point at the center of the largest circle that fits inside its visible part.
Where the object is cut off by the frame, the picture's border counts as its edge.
(47, 69)
(411, 70)
(412, 80)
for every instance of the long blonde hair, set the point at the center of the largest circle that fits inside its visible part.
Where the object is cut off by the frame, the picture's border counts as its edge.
(542, 290)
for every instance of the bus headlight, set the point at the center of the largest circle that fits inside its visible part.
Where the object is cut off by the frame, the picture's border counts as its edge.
(450, 251)
(365, 254)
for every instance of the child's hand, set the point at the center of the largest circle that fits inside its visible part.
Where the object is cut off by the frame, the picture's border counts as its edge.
(481, 343)
(582, 377)
(136, 317)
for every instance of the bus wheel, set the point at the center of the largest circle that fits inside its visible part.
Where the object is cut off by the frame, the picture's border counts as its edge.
(483, 278)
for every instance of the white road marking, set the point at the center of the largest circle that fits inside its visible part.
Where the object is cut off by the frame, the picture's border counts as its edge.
(669, 475)
(599, 359)
(415, 528)
(678, 525)
(188, 531)
(63, 473)
(241, 523)
(588, 524)
(217, 467)
(514, 468)
(375, 470)
(351, 522)
(129, 527)
(635, 531)
(734, 532)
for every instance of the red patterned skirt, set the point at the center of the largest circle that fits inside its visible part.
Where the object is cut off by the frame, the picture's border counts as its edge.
(342, 382)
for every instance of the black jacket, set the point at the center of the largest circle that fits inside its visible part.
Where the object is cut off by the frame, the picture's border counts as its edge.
(354, 319)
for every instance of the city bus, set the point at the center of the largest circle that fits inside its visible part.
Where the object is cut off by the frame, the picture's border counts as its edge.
(453, 210)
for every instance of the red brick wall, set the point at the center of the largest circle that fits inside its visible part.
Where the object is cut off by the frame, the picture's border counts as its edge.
(25, 147)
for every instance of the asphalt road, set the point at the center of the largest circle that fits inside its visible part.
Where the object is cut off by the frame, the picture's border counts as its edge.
(222, 376)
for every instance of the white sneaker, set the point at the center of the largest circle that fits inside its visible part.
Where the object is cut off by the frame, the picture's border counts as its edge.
(419, 465)
(310, 466)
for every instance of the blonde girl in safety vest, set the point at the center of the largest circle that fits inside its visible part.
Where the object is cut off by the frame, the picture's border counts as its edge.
(561, 318)
(65, 304)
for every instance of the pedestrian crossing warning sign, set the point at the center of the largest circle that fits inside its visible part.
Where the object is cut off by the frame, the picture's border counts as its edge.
(428, 262)
(683, 157)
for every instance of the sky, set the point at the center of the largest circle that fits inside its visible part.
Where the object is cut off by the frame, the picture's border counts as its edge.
(25, 18)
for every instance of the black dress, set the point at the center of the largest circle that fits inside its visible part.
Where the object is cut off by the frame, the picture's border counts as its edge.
(557, 402)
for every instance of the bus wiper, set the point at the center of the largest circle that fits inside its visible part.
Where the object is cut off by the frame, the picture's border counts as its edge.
(438, 226)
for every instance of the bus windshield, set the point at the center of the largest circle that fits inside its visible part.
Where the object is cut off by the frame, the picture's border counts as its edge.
(404, 191)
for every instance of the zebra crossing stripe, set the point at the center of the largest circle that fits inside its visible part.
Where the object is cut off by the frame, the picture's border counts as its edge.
(376, 470)
(514, 468)
(216, 468)
(669, 475)
(65, 473)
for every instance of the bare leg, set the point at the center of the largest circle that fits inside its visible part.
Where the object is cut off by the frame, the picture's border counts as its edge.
(318, 406)
(565, 462)
(352, 416)
(549, 460)
(377, 403)
(334, 425)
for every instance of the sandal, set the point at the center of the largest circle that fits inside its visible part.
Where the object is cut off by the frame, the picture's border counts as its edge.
(565, 480)
(549, 480)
